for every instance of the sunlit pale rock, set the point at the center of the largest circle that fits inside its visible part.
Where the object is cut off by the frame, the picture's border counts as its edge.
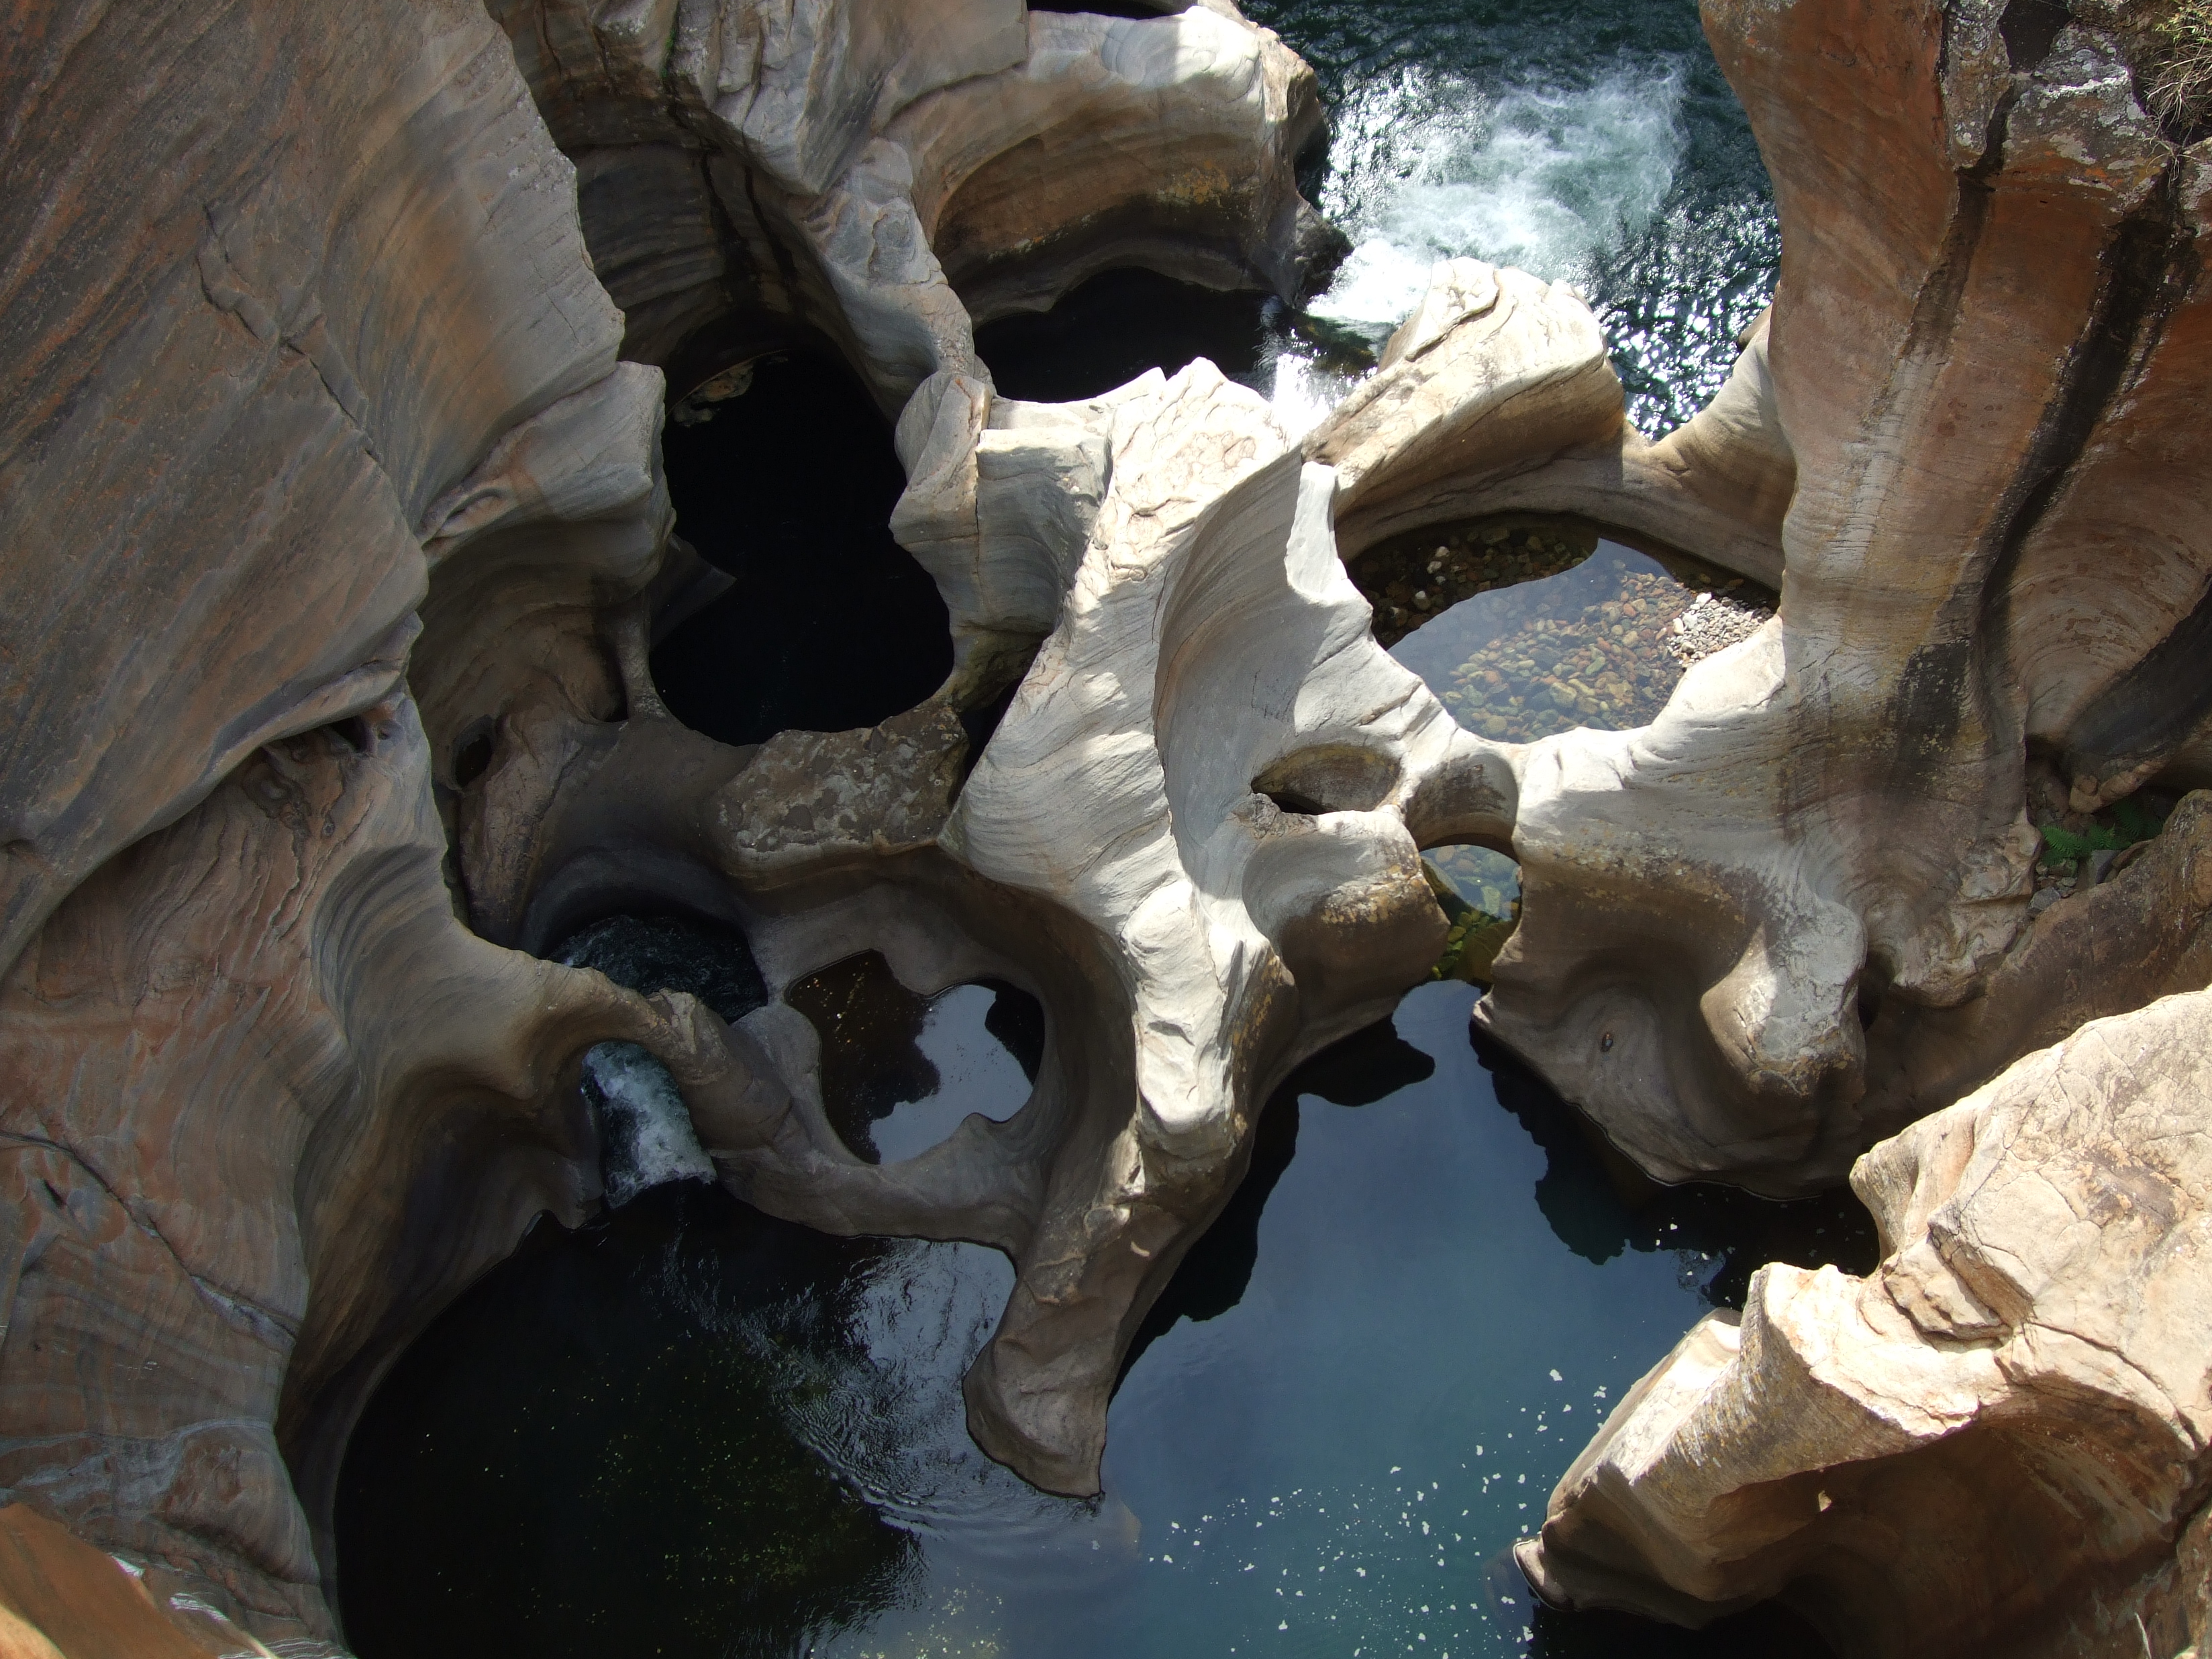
(314, 389)
(1498, 395)
(1992, 1442)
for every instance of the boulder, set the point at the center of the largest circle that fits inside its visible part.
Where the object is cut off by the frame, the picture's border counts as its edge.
(1996, 1441)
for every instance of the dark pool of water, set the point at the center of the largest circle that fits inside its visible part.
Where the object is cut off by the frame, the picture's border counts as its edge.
(1109, 329)
(686, 1430)
(831, 624)
(900, 1071)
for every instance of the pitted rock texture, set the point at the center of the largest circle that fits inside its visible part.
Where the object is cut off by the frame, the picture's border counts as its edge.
(885, 790)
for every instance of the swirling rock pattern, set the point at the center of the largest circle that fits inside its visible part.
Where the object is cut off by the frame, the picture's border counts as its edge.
(335, 516)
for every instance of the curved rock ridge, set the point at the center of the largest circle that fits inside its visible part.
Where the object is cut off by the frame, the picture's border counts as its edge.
(1820, 859)
(1991, 303)
(247, 1058)
(752, 174)
(237, 382)
(1990, 1443)
(330, 395)
(338, 524)
(1117, 850)
(1498, 395)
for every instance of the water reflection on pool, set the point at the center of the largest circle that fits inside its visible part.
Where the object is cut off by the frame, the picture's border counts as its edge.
(633, 1438)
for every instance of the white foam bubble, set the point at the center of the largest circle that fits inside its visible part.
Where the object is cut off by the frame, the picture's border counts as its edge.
(647, 1134)
(1427, 167)
(1303, 394)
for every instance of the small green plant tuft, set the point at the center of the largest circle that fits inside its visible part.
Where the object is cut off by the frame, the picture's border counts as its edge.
(2170, 45)
(2119, 827)
(2180, 63)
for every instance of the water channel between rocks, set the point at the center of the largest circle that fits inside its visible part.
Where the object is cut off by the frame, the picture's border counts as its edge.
(685, 1429)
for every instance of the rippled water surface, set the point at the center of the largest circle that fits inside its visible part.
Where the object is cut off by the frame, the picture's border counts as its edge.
(688, 1429)
(684, 1429)
(1587, 141)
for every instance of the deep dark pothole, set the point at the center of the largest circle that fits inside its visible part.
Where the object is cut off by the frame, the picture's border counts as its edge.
(900, 1071)
(788, 486)
(1109, 329)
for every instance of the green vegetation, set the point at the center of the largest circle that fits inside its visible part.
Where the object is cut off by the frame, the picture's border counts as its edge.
(2169, 43)
(2114, 830)
(1474, 937)
(2178, 64)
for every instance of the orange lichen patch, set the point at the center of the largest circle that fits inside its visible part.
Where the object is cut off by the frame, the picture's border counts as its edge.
(61, 1598)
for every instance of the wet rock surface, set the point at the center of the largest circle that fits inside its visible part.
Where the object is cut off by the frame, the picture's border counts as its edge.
(336, 497)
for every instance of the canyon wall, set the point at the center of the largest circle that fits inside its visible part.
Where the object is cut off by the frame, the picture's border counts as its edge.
(340, 542)
(1989, 329)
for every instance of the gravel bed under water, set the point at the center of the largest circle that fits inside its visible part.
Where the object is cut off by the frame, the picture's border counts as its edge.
(1527, 629)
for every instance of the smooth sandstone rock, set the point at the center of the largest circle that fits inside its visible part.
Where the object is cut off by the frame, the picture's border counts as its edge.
(1170, 141)
(375, 377)
(291, 325)
(1988, 1444)
(1829, 821)
(237, 1060)
(1498, 396)
(1993, 1444)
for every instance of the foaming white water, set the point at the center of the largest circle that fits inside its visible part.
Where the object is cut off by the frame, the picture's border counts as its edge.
(1427, 168)
(1303, 394)
(646, 1135)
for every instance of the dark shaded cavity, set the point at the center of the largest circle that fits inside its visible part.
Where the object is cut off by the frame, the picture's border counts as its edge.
(1109, 329)
(2030, 29)
(1112, 8)
(2151, 709)
(669, 952)
(1766, 1631)
(871, 1028)
(587, 1454)
(1599, 1204)
(831, 624)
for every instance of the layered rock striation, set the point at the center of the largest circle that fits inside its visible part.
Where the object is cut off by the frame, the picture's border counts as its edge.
(1993, 570)
(336, 506)
(337, 519)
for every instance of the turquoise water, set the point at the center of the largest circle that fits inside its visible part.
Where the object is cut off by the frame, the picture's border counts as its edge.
(1587, 141)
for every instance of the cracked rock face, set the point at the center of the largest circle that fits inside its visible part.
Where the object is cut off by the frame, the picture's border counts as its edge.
(341, 539)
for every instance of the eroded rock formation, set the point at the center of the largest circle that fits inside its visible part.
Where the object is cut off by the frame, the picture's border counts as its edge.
(1995, 565)
(318, 420)
(336, 518)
